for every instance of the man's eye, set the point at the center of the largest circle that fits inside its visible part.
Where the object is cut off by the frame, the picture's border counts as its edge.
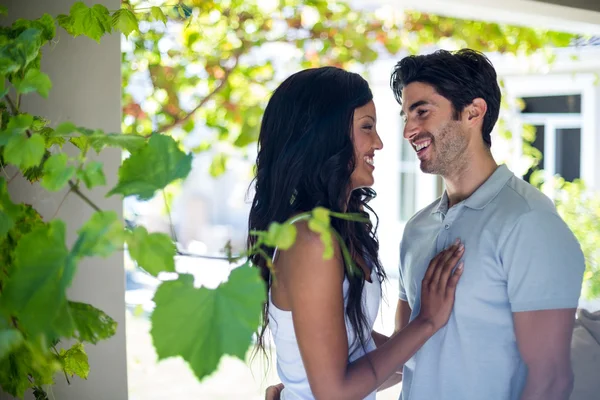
(421, 112)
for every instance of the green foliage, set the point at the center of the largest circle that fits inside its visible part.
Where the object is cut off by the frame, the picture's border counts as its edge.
(75, 361)
(25, 152)
(92, 174)
(580, 208)
(91, 324)
(101, 235)
(93, 22)
(125, 21)
(152, 168)
(219, 41)
(43, 271)
(153, 252)
(34, 81)
(183, 313)
(56, 172)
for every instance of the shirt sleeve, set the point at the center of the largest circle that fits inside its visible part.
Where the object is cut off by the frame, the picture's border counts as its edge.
(543, 262)
(402, 291)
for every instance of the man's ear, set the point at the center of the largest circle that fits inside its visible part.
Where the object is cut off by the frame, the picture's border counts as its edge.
(475, 111)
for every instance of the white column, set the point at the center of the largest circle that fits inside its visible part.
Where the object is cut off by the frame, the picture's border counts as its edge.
(86, 89)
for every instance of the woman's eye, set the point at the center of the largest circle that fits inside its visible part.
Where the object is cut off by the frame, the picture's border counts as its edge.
(368, 127)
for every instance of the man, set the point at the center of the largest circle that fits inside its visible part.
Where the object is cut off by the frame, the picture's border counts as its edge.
(509, 335)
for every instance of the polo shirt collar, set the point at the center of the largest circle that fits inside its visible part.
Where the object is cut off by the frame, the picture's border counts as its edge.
(484, 193)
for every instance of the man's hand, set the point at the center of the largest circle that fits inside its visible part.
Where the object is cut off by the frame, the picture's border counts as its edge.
(274, 392)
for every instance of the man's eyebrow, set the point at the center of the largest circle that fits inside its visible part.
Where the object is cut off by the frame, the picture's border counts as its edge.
(415, 105)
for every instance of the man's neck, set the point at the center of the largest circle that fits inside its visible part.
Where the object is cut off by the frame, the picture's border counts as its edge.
(463, 182)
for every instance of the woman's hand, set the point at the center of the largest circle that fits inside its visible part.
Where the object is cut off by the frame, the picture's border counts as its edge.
(439, 286)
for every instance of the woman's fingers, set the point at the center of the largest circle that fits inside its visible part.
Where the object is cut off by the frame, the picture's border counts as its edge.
(444, 256)
(448, 265)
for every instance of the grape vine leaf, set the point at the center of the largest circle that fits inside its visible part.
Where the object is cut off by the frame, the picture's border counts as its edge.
(92, 174)
(101, 235)
(36, 290)
(25, 152)
(125, 21)
(153, 252)
(157, 164)
(9, 211)
(75, 361)
(92, 325)
(34, 81)
(201, 325)
(56, 172)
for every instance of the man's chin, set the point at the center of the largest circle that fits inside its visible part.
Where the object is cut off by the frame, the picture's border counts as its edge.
(427, 167)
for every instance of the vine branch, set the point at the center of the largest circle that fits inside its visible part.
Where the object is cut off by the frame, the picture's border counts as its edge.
(12, 105)
(209, 96)
(75, 189)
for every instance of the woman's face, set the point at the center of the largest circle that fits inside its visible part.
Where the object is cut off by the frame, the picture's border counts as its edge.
(366, 141)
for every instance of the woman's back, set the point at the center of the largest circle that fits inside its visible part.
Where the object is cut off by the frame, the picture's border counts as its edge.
(289, 361)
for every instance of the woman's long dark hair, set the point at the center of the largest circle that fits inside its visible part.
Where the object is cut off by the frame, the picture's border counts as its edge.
(305, 159)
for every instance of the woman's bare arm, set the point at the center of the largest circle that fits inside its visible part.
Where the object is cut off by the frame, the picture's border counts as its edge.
(314, 291)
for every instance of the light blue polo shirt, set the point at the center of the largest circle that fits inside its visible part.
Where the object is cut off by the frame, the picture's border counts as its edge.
(519, 256)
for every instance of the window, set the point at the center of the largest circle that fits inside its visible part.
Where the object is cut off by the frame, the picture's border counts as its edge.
(557, 122)
(408, 168)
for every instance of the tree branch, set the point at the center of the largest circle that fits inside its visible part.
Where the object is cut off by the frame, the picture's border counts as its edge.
(205, 100)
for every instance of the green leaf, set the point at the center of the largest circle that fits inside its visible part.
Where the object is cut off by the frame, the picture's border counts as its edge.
(153, 167)
(75, 361)
(92, 22)
(131, 143)
(281, 236)
(320, 223)
(3, 10)
(66, 22)
(321, 214)
(17, 125)
(56, 172)
(153, 252)
(218, 166)
(34, 81)
(3, 88)
(201, 325)
(18, 53)
(101, 235)
(25, 152)
(65, 128)
(81, 142)
(9, 340)
(9, 211)
(92, 174)
(125, 21)
(36, 291)
(158, 14)
(92, 324)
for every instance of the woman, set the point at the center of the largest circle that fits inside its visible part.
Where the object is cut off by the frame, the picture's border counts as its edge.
(317, 143)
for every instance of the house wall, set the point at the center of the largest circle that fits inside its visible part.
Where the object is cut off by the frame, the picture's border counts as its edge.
(86, 90)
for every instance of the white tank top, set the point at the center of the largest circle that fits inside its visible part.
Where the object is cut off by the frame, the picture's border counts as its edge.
(289, 362)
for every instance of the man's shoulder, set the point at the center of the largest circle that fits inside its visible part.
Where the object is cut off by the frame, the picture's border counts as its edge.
(519, 197)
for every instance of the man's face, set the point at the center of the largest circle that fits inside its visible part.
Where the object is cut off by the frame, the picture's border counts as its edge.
(439, 138)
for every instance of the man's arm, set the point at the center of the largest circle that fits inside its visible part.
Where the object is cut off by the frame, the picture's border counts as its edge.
(544, 266)
(403, 312)
(544, 340)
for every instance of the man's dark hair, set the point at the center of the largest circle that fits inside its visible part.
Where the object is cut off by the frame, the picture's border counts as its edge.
(460, 76)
